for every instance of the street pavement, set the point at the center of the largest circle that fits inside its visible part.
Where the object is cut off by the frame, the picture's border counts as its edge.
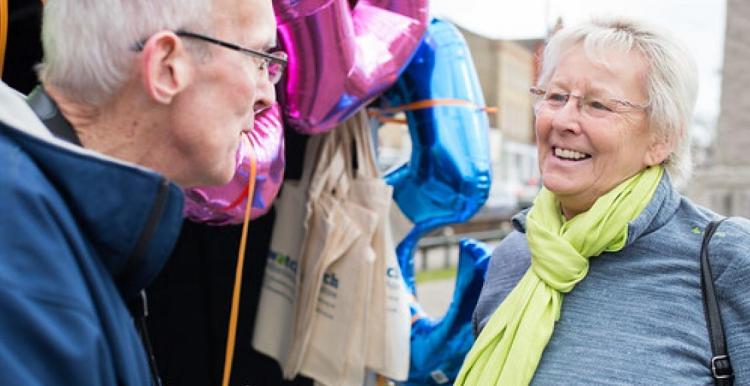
(435, 296)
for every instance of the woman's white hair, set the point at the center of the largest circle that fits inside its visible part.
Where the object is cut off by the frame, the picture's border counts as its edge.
(89, 44)
(671, 82)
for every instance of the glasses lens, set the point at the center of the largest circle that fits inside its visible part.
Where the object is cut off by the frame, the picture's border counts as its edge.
(536, 95)
(276, 68)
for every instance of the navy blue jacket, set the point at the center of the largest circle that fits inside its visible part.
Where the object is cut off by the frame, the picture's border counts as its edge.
(80, 235)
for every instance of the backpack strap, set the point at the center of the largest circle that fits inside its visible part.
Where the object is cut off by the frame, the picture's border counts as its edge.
(721, 367)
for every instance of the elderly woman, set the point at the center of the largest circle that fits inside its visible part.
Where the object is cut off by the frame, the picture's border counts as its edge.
(608, 233)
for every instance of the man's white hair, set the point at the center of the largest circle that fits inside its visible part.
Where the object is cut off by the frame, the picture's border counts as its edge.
(671, 82)
(89, 44)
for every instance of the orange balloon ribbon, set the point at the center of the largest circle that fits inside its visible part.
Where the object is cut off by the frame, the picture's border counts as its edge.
(3, 31)
(384, 114)
(234, 313)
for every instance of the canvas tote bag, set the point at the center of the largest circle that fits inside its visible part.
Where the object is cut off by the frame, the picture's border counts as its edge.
(377, 322)
(330, 231)
(329, 336)
(367, 321)
(297, 322)
(273, 321)
(389, 319)
(277, 307)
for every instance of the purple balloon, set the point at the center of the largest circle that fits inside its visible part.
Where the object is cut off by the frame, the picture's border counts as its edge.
(341, 58)
(223, 205)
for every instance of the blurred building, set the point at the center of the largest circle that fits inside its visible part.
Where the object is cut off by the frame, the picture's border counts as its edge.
(723, 183)
(506, 70)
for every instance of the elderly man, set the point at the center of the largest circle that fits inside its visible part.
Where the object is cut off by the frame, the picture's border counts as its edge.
(134, 94)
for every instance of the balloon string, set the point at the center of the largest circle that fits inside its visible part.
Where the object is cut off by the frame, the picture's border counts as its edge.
(383, 119)
(416, 309)
(232, 330)
(3, 31)
(237, 201)
(424, 104)
(243, 194)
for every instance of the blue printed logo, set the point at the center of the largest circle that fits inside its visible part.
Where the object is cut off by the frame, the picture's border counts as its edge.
(331, 280)
(283, 260)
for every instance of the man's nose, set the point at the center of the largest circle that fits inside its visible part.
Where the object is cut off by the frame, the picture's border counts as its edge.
(265, 95)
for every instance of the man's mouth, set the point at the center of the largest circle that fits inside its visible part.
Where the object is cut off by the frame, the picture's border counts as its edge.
(248, 126)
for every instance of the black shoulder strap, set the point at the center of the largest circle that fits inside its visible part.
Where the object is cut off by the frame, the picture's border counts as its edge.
(721, 367)
(46, 109)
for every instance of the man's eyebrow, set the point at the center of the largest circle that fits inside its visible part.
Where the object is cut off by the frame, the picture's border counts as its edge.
(271, 45)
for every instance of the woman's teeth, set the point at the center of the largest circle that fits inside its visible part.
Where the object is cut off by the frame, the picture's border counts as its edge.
(570, 154)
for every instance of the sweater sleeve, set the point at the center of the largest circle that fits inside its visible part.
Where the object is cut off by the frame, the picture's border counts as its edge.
(49, 334)
(729, 254)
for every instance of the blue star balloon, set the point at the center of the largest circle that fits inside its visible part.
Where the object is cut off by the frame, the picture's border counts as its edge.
(448, 176)
(438, 346)
(446, 181)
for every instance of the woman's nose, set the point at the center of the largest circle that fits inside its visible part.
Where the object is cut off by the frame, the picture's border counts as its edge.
(569, 116)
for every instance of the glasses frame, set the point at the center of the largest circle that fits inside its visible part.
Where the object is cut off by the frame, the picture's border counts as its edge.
(627, 105)
(278, 57)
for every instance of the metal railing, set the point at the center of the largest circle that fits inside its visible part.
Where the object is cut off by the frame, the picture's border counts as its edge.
(448, 242)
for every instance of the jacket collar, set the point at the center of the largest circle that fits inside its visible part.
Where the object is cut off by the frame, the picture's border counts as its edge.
(131, 215)
(659, 211)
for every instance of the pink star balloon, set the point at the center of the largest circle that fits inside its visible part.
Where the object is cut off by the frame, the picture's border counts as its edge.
(222, 205)
(342, 57)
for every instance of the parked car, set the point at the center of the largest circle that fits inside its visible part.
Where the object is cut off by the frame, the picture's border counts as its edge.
(527, 191)
(502, 202)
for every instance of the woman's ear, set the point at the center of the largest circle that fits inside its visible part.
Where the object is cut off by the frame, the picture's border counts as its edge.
(661, 147)
(166, 66)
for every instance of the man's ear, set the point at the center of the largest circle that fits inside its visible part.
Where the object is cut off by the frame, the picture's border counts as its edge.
(166, 66)
(661, 147)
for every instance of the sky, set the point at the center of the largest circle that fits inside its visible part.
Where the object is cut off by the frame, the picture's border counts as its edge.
(700, 24)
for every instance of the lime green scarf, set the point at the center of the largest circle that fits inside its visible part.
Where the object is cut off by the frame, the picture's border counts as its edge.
(510, 346)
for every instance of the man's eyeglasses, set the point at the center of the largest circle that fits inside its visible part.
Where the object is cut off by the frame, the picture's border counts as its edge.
(273, 64)
(595, 107)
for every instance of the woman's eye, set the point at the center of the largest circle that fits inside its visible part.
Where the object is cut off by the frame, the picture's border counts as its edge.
(557, 97)
(599, 106)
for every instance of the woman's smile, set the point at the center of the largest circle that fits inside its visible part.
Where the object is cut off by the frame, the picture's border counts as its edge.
(569, 154)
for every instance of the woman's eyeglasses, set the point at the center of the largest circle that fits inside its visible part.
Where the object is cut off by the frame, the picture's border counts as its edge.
(593, 106)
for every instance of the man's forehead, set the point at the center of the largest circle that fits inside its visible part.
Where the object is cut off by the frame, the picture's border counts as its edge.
(253, 20)
(244, 11)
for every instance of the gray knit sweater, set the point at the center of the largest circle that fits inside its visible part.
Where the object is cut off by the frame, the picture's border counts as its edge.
(637, 317)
